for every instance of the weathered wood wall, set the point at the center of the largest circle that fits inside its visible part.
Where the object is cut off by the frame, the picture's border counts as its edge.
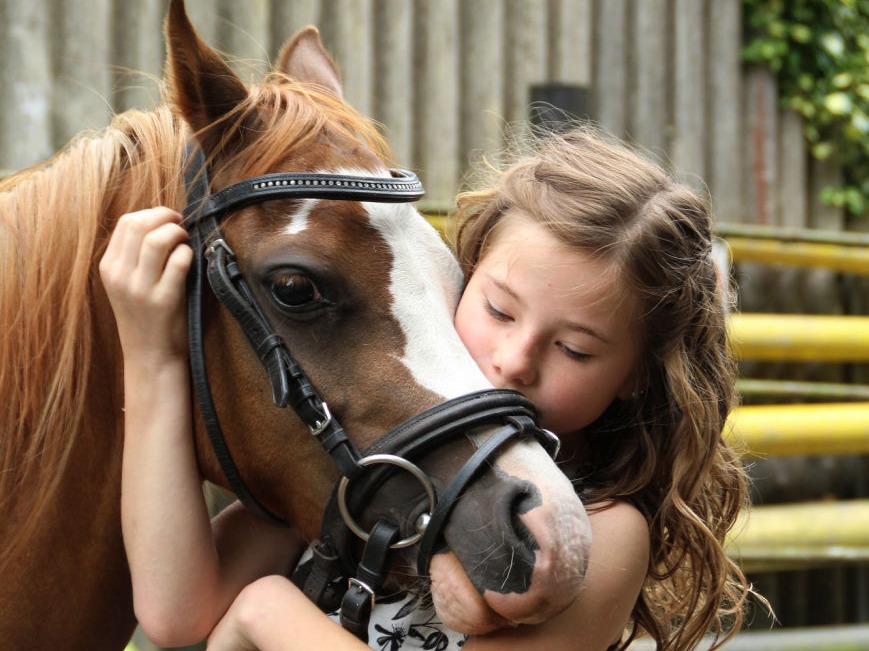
(444, 76)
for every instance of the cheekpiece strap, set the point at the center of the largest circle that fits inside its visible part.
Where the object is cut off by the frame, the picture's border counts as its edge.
(358, 601)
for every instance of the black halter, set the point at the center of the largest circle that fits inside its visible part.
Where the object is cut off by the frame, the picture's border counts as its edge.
(333, 556)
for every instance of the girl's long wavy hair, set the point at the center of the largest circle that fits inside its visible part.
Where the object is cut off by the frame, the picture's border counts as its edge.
(663, 450)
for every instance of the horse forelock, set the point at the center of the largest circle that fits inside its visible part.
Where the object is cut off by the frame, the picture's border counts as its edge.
(298, 123)
(56, 218)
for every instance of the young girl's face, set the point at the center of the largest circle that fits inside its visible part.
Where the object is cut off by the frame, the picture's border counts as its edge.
(550, 322)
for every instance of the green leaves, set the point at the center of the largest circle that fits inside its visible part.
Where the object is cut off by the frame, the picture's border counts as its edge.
(819, 52)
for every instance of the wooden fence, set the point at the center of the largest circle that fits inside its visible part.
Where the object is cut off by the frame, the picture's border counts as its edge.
(444, 76)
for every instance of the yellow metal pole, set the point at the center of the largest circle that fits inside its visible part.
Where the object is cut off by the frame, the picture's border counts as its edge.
(847, 259)
(794, 535)
(781, 430)
(829, 391)
(800, 337)
(788, 234)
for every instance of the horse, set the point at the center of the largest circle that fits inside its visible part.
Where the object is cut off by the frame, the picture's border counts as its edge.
(353, 293)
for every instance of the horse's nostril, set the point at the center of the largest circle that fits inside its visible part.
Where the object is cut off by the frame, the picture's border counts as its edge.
(522, 502)
(496, 548)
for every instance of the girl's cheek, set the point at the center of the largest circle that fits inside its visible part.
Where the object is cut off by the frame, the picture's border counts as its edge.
(468, 327)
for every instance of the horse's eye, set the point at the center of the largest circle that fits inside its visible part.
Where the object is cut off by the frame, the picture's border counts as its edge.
(295, 290)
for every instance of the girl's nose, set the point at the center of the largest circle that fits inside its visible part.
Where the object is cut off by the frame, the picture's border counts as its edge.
(514, 360)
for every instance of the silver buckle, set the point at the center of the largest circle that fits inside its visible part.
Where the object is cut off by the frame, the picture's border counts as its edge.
(320, 426)
(219, 243)
(361, 586)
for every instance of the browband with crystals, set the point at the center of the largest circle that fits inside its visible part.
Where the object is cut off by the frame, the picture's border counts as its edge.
(400, 187)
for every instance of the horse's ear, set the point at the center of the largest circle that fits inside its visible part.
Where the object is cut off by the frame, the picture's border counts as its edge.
(304, 58)
(201, 85)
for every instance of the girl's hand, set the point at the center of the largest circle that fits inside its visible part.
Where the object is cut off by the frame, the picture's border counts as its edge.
(143, 271)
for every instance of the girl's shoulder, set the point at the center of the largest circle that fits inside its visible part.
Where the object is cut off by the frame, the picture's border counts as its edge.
(624, 508)
(619, 520)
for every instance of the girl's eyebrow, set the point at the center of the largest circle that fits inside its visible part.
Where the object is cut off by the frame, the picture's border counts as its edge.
(582, 328)
(574, 326)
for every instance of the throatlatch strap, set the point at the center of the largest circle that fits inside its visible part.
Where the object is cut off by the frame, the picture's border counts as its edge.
(370, 574)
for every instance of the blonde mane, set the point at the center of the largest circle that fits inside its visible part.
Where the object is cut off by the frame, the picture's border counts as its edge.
(56, 219)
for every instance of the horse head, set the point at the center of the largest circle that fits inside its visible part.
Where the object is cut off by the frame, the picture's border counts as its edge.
(344, 299)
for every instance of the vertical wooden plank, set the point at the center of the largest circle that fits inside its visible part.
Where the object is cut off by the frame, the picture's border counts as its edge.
(855, 295)
(289, 17)
(138, 52)
(244, 35)
(820, 283)
(570, 42)
(760, 111)
(481, 78)
(792, 213)
(392, 72)
(724, 158)
(611, 65)
(525, 56)
(25, 66)
(347, 33)
(793, 172)
(82, 68)
(689, 90)
(649, 119)
(437, 100)
(759, 118)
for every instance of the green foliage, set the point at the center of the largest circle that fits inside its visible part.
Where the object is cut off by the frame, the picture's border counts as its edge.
(819, 51)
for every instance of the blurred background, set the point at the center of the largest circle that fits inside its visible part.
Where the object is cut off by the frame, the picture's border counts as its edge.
(763, 103)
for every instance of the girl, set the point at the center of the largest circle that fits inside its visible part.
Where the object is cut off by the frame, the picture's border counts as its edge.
(592, 290)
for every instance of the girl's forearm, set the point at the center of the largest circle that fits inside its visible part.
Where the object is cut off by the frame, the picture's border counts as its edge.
(271, 614)
(167, 533)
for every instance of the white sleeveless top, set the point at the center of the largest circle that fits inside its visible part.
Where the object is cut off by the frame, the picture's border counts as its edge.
(408, 621)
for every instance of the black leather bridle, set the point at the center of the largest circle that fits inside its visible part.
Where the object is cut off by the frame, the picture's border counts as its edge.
(322, 579)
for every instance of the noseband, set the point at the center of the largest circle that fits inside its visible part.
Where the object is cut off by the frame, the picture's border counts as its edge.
(361, 474)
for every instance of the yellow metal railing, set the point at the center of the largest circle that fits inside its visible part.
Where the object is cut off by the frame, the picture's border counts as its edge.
(846, 259)
(800, 337)
(801, 429)
(790, 536)
(843, 251)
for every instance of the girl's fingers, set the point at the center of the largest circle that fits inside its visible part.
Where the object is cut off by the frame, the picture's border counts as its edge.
(122, 252)
(177, 266)
(155, 250)
(132, 229)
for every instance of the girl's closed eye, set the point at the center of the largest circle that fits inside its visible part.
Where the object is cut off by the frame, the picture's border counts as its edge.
(574, 354)
(494, 312)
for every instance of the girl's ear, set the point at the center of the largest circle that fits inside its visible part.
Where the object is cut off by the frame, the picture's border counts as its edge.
(630, 388)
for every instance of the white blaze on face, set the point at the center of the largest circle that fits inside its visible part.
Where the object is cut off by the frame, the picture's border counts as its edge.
(425, 286)
(299, 219)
